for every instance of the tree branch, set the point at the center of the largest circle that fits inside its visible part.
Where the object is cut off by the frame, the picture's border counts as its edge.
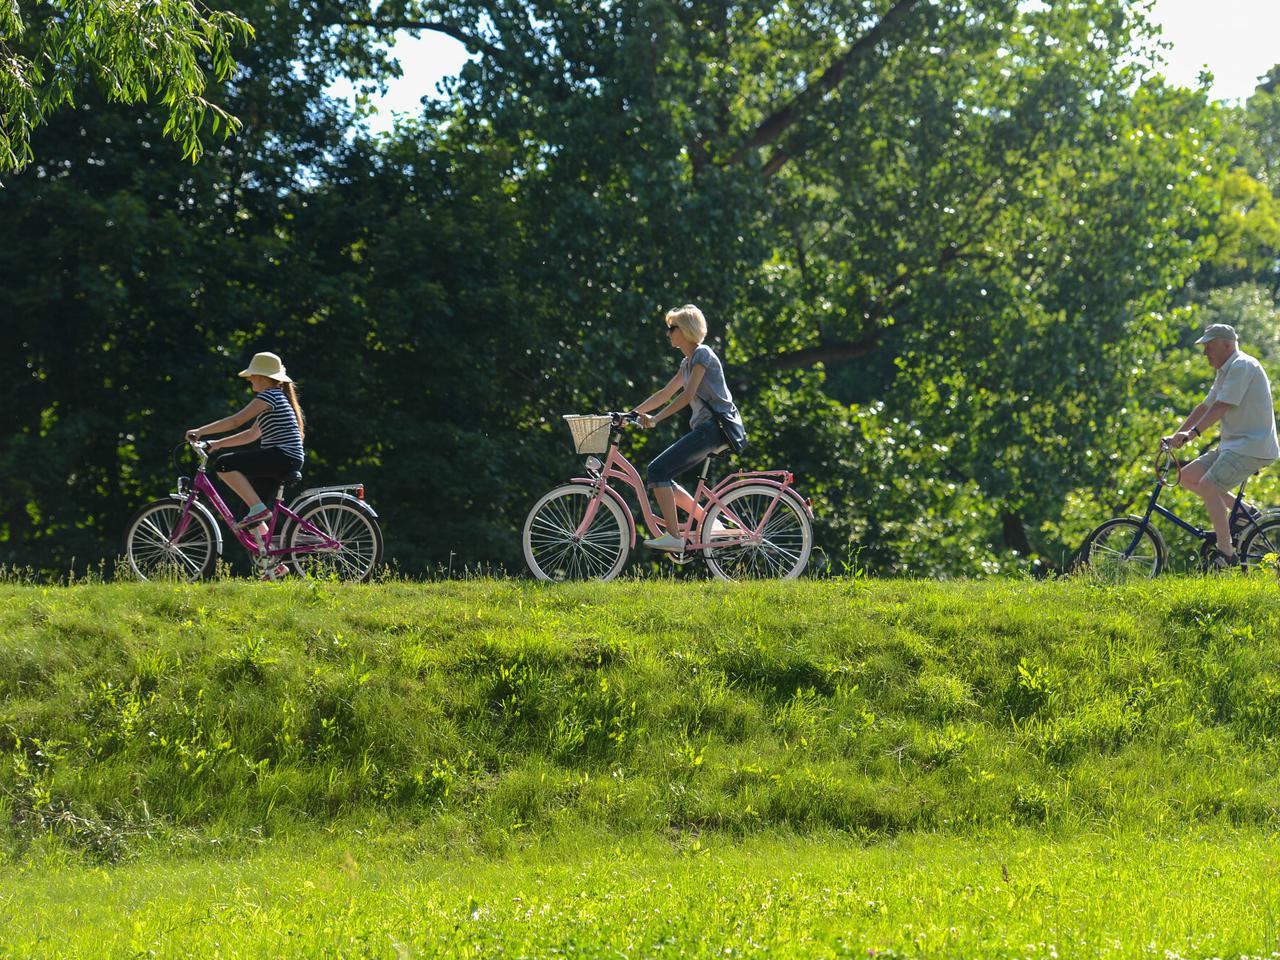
(824, 351)
(782, 119)
(473, 43)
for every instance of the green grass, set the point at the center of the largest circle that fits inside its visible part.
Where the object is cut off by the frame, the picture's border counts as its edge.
(169, 748)
(823, 895)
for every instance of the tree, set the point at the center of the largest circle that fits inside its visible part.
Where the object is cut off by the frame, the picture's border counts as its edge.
(941, 246)
(985, 208)
(131, 52)
(137, 282)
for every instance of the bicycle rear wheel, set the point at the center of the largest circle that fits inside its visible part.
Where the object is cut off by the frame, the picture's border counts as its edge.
(154, 553)
(553, 549)
(1261, 541)
(361, 538)
(1107, 555)
(777, 551)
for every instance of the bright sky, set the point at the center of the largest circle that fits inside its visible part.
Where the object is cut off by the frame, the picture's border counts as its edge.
(1234, 39)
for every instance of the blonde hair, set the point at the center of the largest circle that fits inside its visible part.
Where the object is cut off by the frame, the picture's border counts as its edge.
(690, 321)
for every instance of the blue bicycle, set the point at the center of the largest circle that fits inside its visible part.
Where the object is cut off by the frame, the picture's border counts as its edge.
(1130, 548)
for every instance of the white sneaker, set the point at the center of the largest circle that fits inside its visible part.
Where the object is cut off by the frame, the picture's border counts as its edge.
(667, 541)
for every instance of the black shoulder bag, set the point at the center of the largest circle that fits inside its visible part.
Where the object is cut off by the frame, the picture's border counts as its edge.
(734, 435)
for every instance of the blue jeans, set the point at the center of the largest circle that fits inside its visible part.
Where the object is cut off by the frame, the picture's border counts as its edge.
(686, 453)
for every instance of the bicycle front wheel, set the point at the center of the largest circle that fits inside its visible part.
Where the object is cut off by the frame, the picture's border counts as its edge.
(556, 550)
(1111, 553)
(1262, 541)
(154, 551)
(357, 558)
(755, 548)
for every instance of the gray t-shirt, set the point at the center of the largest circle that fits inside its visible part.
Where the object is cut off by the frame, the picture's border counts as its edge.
(713, 393)
(1249, 425)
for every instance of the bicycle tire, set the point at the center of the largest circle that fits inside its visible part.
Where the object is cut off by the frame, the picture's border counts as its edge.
(787, 538)
(151, 555)
(1103, 553)
(359, 533)
(553, 552)
(1261, 540)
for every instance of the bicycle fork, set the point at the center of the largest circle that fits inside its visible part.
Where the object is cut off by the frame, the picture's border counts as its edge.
(1146, 520)
(184, 521)
(589, 515)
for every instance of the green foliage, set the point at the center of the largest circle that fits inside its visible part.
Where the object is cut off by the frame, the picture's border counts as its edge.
(944, 248)
(132, 53)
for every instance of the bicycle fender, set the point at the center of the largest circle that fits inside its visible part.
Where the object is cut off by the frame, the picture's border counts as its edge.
(200, 508)
(765, 482)
(617, 498)
(333, 496)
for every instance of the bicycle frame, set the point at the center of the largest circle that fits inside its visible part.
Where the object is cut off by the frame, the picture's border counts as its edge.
(618, 467)
(1154, 507)
(203, 485)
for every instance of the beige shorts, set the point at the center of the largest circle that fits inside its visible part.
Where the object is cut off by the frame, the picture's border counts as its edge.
(1226, 470)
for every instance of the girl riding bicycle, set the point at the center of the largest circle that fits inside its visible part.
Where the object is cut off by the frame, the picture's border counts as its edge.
(279, 426)
(714, 422)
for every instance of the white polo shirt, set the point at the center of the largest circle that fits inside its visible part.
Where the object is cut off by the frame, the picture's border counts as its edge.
(1249, 426)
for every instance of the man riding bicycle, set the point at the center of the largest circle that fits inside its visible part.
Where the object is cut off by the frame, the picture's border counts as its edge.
(1240, 399)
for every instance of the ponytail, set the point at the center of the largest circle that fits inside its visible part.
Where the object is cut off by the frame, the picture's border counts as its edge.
(291, 394)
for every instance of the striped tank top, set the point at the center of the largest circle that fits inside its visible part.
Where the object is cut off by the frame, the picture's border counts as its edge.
(279, 424)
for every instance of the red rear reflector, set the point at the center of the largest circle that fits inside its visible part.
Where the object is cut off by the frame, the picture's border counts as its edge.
(360, 492)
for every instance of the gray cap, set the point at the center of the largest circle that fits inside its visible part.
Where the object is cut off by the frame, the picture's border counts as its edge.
(1218, 331)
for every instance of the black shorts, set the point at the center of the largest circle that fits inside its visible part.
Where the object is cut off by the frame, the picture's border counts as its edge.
(264, 466)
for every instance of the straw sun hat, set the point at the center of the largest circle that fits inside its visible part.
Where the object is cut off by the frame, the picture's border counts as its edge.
(266, 365)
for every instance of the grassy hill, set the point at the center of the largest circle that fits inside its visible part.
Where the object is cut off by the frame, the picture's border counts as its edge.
(822, 769)
(493, 709)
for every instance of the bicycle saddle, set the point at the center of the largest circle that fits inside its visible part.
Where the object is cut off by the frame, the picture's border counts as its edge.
(284, 481)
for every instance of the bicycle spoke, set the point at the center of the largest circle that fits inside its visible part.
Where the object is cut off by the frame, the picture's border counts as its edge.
(1262, 544)
(1114, 554)
(195, 568)
(355, 534)
(595, 550)
(553, 547)
(773, 541)
(554, 529)
(564, 513)
(554, 561)
(157, 535)
(153, 552)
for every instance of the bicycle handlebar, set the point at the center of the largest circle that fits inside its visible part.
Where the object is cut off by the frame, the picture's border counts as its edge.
(201, 448)
(1166, 463)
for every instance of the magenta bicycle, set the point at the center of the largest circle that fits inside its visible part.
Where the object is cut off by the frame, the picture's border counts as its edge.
(326, 532)
(752, 524)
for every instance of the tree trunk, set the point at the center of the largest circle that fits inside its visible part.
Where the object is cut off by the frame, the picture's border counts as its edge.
(1014, 533)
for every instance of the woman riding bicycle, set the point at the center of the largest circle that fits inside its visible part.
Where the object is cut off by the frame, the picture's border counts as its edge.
(279, 426)
(714, 422)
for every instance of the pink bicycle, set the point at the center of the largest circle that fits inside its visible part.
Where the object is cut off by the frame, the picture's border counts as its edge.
(749, 525)
(325, 532)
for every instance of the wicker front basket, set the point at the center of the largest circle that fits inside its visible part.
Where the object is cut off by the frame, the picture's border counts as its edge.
(590, 432)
